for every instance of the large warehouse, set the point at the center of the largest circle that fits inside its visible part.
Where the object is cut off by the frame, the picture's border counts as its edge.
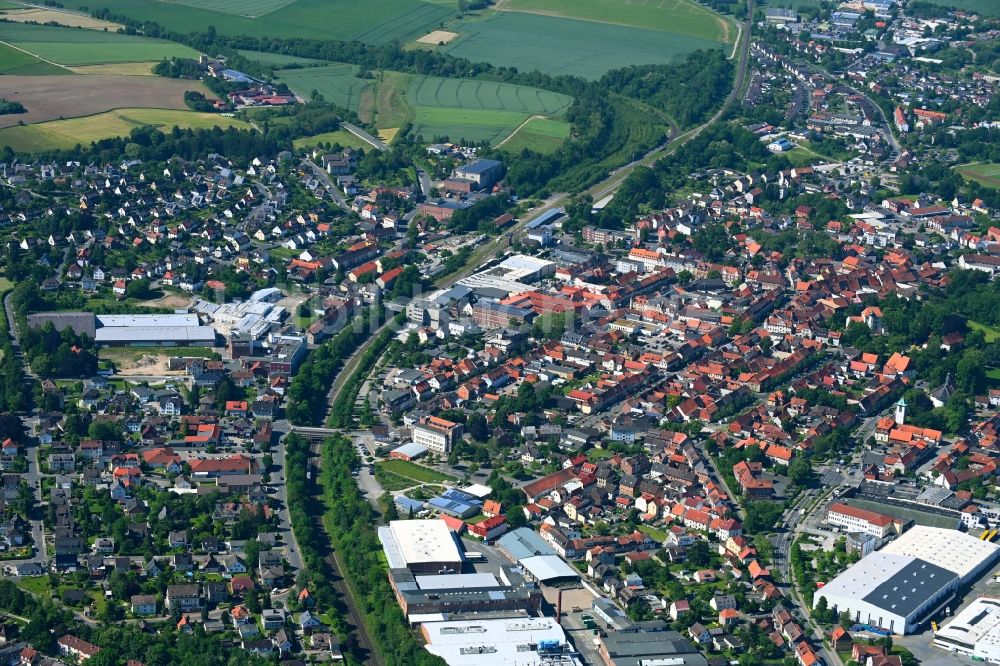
(975, 632)
(897, 587)
(422, 546)
(167, 330)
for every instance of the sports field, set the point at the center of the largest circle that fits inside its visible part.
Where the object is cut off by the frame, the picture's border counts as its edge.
(76, 46)
(374, 22)
(681, 17)
(64, 134)
(557, 45)
(987, 175)
(14, 62)
(538, 134)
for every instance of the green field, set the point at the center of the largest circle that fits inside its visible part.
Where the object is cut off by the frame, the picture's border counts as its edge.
(437, 107)
(540, 135)
(414, 471)
(249, 8)
(681, 17)
(338, 83)
(77, 46)
(19, 63)
(278, 60)
(340, 137)
(984, 7)
(402, 20)
(564, 46)
(989, 332)
(987, 175)
(64, 134)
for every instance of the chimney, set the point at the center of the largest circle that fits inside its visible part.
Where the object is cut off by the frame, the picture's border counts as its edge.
(559, 608)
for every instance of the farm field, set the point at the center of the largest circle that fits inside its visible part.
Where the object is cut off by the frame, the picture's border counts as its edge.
(682, 17)
(338, 83)
(465, 125)
(43, 16)
(403, 20)
(53, 97)
(458, 108)
(119, 68)
(987, 175)
(14, 62)
(75, 46)
(564, 46)
(341, 137)
(64, 134)
(278, 59)
(984, 7)
(539, 134)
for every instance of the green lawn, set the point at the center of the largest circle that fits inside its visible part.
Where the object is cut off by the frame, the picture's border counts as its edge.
(418, 473)
(16, 62)
(540, 135)
(78, 46)
(655, 532)
(64, 134)
(984, 7)
(681, 17)
(986, 174)
(991, 333)
(391, 20)
(36, 585)
(556, 45)
(465, 125)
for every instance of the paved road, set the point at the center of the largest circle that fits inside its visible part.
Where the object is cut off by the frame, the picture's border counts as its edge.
(279, 480)
(365, 136)
(328, 184)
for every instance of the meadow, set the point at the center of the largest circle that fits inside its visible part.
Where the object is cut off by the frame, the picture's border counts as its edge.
(65, 134)
(77, 46)
(347, 20)
(341, 137)
(278, 60)
(338, 83)
(541, 135)
(987, 175)
(682, 17)
(14, 62)
(464, 125)
(557, 45)
(472, 94)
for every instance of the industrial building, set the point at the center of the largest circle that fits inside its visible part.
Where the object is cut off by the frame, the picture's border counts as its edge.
(422, 546)
(253, 318)
(896, 588)
(165, 330)
(860, 520)
(500, 642)
(455, 596)
(649, 643)
(975, 632)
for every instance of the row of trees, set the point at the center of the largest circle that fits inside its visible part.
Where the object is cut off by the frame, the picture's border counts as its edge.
(342, 411)
(308, 391)
(351, 524)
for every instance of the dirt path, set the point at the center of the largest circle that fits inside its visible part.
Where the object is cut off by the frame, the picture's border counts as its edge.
(526, 121)
(33, 55)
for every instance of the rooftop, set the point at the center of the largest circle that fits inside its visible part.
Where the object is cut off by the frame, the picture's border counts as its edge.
(949, 549)
(408, 542)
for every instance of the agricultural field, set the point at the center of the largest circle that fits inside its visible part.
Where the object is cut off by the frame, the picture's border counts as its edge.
(54, 97)
(987, 175)
(117, 68)
(76, 46)
(539, 134)
(984, 7)
(278, 60)
(65, 134)
(44, 16)
(402, 20)
(464, 125)
(556, 45)
(681, 17)
(457, 108)
(14, 62)
(338, 83)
